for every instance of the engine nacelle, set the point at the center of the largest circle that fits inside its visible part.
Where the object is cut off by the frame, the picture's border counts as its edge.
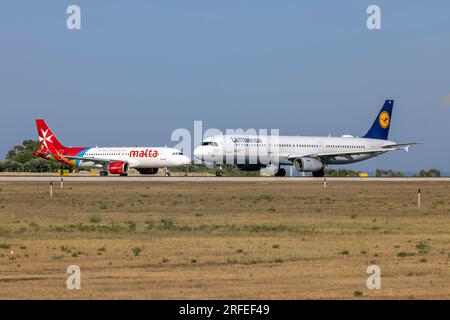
(307, 164)
(118, 167)
(147, 170)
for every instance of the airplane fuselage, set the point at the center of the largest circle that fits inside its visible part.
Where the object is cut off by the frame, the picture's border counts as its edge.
(136, 157)
(261, 150)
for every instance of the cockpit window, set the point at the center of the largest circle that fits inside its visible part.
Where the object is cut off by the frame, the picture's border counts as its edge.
(209, 143)
(177, 153)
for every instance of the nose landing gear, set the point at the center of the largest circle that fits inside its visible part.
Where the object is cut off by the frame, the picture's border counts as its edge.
(219, 171)
(166, 172)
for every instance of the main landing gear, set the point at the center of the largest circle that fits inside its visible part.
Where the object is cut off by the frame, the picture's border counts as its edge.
(318, 174)
(281, 172)
(104, 173)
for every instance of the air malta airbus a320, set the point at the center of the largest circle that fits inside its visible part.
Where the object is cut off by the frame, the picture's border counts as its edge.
(146, 160)
(307, 154)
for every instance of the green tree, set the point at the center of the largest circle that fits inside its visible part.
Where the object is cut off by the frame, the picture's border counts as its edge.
(429, 173)
(21, 158)
(24, 152)
(11, 166)
(39, 165)
(31, 145)
(388, 173)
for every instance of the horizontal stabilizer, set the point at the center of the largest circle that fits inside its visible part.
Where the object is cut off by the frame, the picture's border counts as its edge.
(404, 146)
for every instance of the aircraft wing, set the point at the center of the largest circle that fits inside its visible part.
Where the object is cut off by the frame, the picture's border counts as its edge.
(292, 157)
(384, 148)
(95, 160)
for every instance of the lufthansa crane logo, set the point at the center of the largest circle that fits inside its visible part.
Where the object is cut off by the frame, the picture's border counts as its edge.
(384, 119)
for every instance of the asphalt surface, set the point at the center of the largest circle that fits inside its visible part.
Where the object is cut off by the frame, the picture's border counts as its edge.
(112, 178)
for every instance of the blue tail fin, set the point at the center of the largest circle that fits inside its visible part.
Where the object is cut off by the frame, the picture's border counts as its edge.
(380, 127)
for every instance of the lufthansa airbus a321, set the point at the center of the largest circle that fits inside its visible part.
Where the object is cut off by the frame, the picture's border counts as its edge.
(306, 154)
(146, 160)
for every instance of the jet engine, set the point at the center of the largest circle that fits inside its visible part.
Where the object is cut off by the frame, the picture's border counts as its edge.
(118, 167)
(307, 164)
(147, 170)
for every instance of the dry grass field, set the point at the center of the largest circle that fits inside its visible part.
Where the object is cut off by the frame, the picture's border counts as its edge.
(217, 240)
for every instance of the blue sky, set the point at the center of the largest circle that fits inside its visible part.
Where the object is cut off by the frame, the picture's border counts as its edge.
(139, 69)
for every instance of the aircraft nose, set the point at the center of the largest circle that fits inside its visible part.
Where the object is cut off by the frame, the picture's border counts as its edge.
(198, 153)
(185, 160)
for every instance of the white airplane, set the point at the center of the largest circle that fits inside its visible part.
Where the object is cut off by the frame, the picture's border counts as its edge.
(146, 160)
(307, 154)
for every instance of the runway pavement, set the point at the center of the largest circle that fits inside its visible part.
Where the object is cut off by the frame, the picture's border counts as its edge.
(44, 178)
